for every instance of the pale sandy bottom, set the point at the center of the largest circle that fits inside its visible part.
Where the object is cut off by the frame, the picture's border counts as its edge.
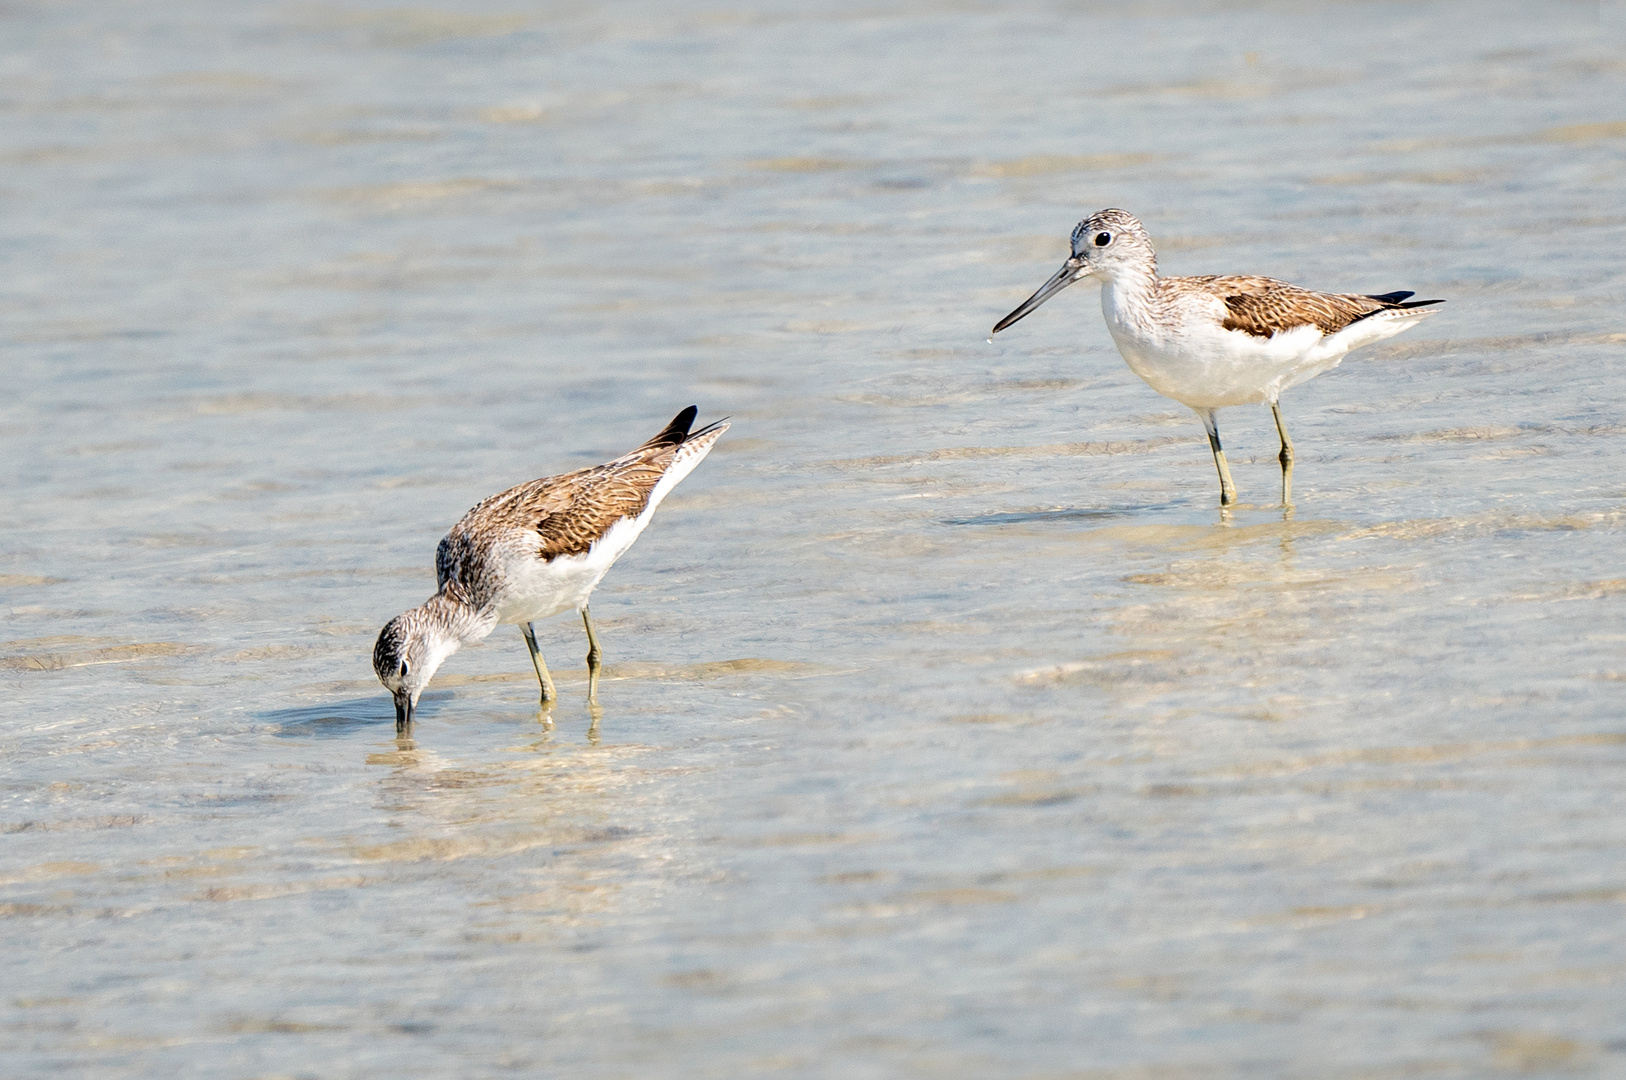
(949, 730)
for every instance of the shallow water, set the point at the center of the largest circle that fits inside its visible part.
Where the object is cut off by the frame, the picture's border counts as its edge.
(950, 730)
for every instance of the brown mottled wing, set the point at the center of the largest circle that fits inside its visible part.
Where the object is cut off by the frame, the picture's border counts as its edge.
(571, 511)
(562, 514)
(572, 516)
(566, 513)
(1264, 306)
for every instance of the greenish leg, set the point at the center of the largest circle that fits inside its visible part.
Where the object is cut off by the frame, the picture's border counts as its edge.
(592, 656)
(1227, 488)
(549, 694)
(1286, 455)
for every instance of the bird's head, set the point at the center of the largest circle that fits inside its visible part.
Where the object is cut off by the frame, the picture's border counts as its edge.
(1105, 244)
(410, 648)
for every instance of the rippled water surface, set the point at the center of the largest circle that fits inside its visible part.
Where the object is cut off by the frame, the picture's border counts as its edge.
(950, 730)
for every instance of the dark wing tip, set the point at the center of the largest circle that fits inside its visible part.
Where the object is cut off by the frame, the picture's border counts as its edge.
(681, 423)
(674, 433)
(1393, 299)
(1389, 305)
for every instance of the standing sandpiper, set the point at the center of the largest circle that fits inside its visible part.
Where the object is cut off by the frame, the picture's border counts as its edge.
(1208, 342)
(533, 551)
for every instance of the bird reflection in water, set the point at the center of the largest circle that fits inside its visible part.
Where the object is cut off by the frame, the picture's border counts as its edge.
(544, 718)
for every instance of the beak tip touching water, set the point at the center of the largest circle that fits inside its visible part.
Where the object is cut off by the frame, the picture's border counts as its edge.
(403, 711)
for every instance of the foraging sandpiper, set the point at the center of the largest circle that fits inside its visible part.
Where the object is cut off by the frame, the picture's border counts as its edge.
(533, 551)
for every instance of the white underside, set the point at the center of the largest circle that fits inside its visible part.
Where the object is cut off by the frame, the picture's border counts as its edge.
(1199, 363)
(534, 589)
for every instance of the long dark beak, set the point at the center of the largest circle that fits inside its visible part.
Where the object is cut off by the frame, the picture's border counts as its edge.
(403, 711)
(1069, 273)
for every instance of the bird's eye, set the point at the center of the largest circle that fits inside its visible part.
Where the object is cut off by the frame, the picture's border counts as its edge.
(1102, 239)
(405, 668)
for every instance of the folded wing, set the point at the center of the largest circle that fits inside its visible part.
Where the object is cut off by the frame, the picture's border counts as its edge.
(1263, 307)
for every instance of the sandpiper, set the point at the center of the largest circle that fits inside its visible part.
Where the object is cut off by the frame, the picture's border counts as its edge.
(533, 551)
(1208, 342)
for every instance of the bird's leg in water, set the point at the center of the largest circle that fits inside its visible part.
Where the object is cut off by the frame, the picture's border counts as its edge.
(1227, 488)
(548, 692)
(1286, 456)
(592, 657)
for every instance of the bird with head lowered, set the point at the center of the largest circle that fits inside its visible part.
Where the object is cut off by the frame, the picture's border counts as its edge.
(533, 551)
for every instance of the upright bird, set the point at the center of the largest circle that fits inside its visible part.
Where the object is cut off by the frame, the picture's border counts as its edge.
(1208, 342)
(533, 551)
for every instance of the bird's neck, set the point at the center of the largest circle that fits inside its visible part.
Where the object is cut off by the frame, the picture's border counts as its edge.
(1129, 295)
(457, 621)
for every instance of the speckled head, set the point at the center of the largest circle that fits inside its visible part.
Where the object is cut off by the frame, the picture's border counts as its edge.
(409, 650)
(1112, 238)
(1108, 244)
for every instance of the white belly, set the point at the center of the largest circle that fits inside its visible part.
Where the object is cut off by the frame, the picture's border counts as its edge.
(1226, 367)
(533, 589)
